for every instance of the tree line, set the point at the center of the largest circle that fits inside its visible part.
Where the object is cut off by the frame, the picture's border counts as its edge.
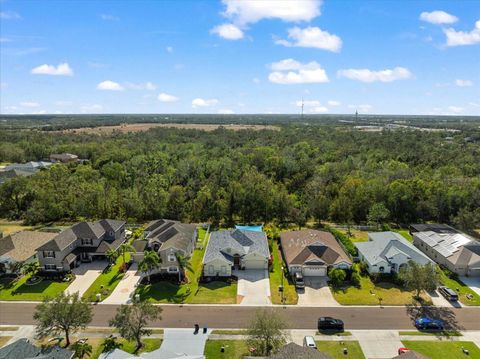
(300, 173)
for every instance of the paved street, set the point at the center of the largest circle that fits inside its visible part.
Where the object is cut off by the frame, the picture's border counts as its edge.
(177, 316)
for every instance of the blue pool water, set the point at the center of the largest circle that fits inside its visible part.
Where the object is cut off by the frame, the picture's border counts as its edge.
(250, 228)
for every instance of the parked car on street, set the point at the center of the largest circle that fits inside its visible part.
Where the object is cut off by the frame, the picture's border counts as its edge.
(299, 282)
(448, 293)
(329, 323)
(309, 341)
(426, 323)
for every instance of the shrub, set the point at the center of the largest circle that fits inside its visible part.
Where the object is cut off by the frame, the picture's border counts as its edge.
(356, 279)
(344, 240)
(337, 276)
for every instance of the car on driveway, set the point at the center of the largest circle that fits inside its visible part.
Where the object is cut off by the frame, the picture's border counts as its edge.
(448, 293)
(425, 323)
(299, 282)
(309, 341)
(329, 323)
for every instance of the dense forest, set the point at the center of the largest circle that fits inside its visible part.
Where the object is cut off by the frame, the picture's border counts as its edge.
(317, 171)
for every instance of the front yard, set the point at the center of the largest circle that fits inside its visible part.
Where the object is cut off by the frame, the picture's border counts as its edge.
(18, 289)
(276, 275)
(107, 281)
(335, 349)
(217, 292)
(384, 293)
(443, 349)
(234, 349)
(462, 289)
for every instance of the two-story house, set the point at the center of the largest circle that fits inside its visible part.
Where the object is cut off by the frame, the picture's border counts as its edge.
(83, 242)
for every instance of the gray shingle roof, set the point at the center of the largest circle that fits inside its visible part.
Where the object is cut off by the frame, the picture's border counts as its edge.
(171, 234)
(292, 350)
(23, 349)
(238, 240)
(22, 245)
(383, 245)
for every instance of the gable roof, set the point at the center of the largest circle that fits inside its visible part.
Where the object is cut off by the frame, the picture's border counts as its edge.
(22, 245)
(93, 230)
(292, 350)
(171, 234)
(23, 349)
(239, 241)
(382, 246)
(310, 246)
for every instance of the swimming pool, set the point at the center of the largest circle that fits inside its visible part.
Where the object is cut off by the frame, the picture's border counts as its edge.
(250, 228)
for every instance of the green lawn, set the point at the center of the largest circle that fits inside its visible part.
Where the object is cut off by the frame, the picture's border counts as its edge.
(443, 349)
(445, 333)
(230, 331)
(333, 332)
(192, 292)
(370, 293)
(335, 349)
(357, 235)
(234, 349)
(9, 227)
(4, 340)
(11, 289)
(109, 279)
(462, 290)
(276, 274)
(8, 329)
(405, 233)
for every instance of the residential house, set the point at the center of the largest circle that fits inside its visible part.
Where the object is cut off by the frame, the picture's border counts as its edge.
(83, 242)
(312, 252)
(167, 238)
(23, 349)
(387, 252)
(448, 247)
(156, 354)
(5, 175)
(32, 166)
(235, 249)
(21, 247)
(63, 157)
(292, 350)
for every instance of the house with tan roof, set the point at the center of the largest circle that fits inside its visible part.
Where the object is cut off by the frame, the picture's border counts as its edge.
(312, 252)
(21, 247)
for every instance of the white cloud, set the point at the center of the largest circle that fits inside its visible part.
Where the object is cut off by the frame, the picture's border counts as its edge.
(307, 103)
(228, 31)
(200, 102)
(141, 86)
(318, 109)
(312, 37)
(63, 103)
(334, 103)
(94, 108)
(455, 109)
(9, 15)
(365, 108)
(366, 75)
(243, 12)
(109, 17)
(110, 86)
(169, 49)
(290, 71)
(438, 17)
(165, 97)
(225, 111)
(463, 83)
(61, 70)
(30, 104)
(459, 38)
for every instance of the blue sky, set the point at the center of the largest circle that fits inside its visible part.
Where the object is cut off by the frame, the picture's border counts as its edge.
(385, 57)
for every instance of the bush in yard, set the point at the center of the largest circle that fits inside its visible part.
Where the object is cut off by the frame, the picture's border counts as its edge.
(337, 276)
(356, 279)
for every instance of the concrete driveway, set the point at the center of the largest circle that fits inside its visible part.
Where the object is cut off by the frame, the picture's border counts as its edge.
(85, 275)
(316, 293)
(472, 282)
(122, 294)
(253, 287)
(181, 342)
(439, 300)
(379, 343)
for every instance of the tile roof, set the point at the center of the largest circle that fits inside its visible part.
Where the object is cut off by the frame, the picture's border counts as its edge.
(22, 245)
(238, 240)
(383, 245)
(310, 246)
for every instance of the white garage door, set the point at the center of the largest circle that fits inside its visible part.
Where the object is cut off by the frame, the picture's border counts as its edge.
(312, 271)
(256, 264)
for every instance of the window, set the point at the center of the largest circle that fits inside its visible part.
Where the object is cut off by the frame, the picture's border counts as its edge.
(87, 242)
(171, 258)
(48, 254)
(381, 269)
(172, 269)
(50, 267)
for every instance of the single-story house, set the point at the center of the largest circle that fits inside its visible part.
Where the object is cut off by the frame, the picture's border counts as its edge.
(448, 247)
(312, 252)
(32, 166)
(83, 242)
(167, 238)
(156, 354)
(387, 252)
(63, 157)
(21, 247)
(6, 175)
(24, 349)
(293, 350)
(235, 249)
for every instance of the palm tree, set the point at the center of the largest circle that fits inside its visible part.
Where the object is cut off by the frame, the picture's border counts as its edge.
(30, 268)
(150, 261)
(110, 343)
(15, 267)
(111, 255)
(183, 263)
(81, 348)
(124, 248)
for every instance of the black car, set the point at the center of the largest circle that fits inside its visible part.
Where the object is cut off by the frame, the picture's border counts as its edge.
(329, 323)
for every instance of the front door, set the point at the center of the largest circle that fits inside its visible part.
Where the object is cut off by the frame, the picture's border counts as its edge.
(236, 261)
(84, 256)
